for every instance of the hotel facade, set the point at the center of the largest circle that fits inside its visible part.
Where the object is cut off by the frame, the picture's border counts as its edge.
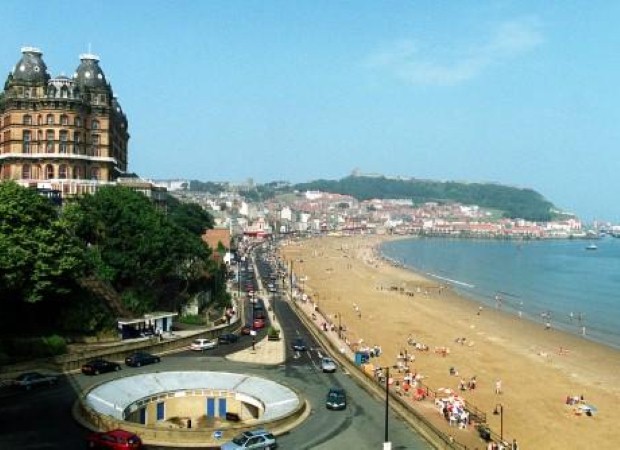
(65, 134)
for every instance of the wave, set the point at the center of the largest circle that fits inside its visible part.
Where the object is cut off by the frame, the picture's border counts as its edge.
(449, 280)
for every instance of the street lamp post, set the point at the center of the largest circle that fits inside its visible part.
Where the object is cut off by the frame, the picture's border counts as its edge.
(499, 409)
(387, 445)
(339, 326)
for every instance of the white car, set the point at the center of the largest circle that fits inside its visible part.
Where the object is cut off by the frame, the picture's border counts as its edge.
(203, 344)
(328, 365)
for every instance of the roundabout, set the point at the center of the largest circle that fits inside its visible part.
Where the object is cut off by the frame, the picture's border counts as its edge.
(190, 408)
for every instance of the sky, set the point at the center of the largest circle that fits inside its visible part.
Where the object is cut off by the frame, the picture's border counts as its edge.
(522, 93)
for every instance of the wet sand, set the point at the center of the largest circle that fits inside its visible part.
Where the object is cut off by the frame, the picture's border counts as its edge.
(538, 368)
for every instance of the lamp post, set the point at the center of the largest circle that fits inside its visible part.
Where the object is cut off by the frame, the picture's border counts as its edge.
(387, 445)
(339, 326)
(499, 410)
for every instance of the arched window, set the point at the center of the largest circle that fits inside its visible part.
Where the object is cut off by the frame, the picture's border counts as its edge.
(26, 143)
(39, 119)
(49, 119)
(95, 124)
(26, 172)
(27, 119)
(94, 173)
(64, 120)
(77, 172)
(62, 172)
(49, 172)
(51, 91)
(64, 92)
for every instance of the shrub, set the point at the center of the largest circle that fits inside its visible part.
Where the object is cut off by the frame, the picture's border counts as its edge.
(192, 319)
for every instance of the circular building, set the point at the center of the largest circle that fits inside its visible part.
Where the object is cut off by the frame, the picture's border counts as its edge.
(187, 408)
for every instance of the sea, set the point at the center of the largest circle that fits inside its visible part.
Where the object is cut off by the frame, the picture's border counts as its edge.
(562, 282)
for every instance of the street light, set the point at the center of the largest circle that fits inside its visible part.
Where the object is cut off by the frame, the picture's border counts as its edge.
(387, 445)
(499, 410)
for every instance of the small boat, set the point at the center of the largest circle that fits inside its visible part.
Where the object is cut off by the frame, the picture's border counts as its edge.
(592, 247)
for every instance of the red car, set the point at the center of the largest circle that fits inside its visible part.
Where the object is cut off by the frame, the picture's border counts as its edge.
(115, 440)
(258, 324)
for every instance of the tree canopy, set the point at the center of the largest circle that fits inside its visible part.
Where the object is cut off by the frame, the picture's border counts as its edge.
(38, 256)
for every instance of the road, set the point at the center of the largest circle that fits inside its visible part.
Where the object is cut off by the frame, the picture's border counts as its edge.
(41, 419)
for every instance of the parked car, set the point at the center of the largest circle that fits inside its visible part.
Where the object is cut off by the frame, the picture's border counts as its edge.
(227, 338)
(115, 440)
(260, 314)
(299, 345)
(141, 359)
(246, 329)
(31, 380)
(328, 365)
(336, 399)
(97, 366)
(202, 344)
(258, 324)
(256, 439)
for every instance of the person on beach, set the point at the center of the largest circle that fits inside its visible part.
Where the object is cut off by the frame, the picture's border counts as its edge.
(498, 386)
(479, 310)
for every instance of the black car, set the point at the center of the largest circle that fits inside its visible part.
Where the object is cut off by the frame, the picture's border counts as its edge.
(141, 359)
(97, 366)
(299, 345)
(227, 338)
(31, 380)
(336, 399)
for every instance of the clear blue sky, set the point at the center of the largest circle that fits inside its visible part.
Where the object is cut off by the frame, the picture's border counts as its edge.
(523, 93)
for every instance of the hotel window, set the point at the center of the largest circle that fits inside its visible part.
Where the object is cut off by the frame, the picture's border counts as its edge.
(64, 136)
(49, 119)
(64, 120)
(27, 119)
(94, 173)
(49, 137)
(49, 172)
(95, 125)
(77, 173)
(62, 172)
(95, 146)
(26, 172)
(39, 119)
(26, 143)
(64, 92)
(78, 122)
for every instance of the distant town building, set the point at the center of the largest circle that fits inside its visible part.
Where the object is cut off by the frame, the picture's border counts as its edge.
(61, 134)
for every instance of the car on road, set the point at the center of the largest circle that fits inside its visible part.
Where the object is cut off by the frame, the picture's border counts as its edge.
(202, 344)
(258, 324)
(256, 439)
(246, 329)
(141, 359)
(328, 364)
(97, 366)
(227, 338)
(299, 345)
(336, 399)
(115, 440)
(30, 380)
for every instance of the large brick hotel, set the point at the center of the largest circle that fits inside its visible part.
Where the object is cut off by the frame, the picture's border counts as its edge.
(65, 134)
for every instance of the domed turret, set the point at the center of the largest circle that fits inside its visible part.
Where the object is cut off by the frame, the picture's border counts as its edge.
(31, 67)
(88, 73)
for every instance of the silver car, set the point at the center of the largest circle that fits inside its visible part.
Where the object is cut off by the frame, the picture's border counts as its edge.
(257, 439)
(328, 365)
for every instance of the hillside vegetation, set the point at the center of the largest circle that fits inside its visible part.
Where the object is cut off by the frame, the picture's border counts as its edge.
(514, 202)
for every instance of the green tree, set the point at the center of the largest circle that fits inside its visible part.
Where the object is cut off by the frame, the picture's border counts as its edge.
(38, 257)
(189, 216)
(135, 246)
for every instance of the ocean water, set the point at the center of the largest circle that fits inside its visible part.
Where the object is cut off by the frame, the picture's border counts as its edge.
(560, 279)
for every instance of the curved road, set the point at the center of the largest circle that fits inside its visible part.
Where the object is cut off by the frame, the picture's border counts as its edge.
(41, 419)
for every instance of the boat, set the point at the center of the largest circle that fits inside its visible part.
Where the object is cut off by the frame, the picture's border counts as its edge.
(592, 247)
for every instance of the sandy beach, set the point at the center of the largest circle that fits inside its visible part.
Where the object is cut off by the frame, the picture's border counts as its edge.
(381, 304)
